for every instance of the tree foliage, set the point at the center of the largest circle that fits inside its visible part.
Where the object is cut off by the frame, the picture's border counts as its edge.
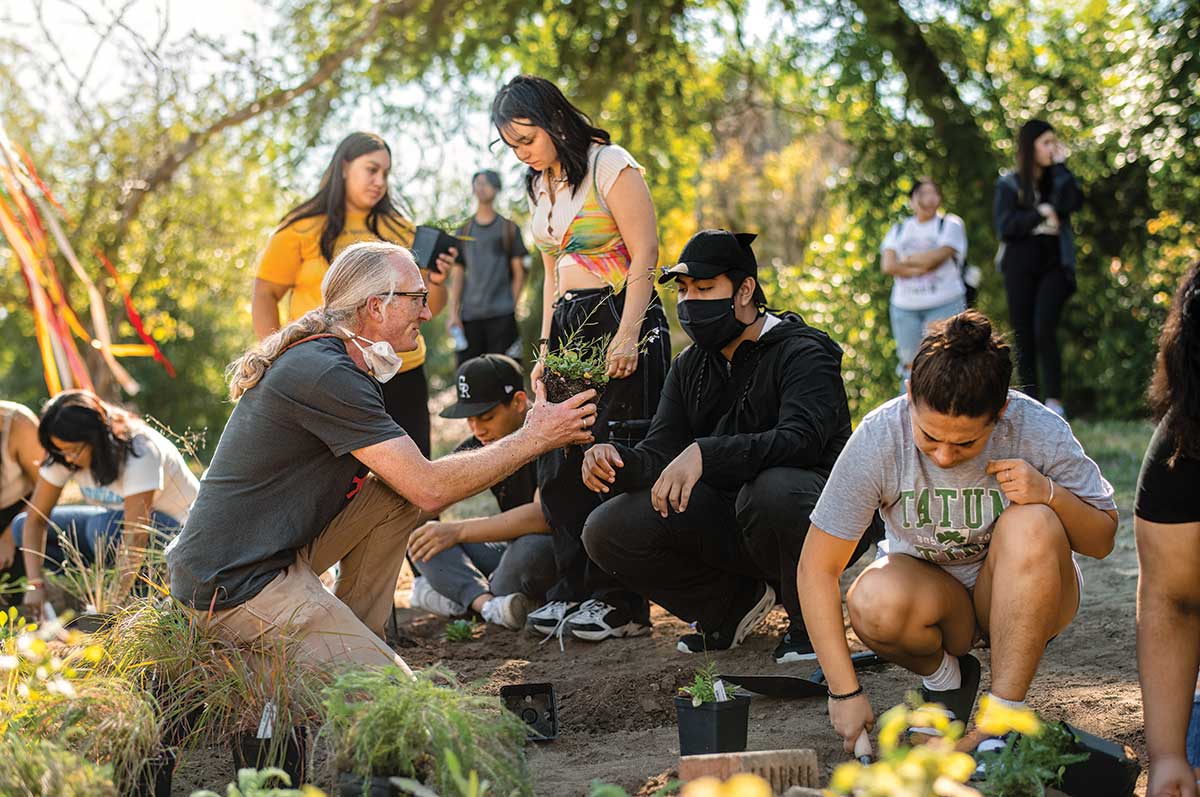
(806, 126)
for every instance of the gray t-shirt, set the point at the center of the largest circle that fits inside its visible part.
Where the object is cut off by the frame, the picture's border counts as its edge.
(945, 516)
(282, 470)
(487, 257)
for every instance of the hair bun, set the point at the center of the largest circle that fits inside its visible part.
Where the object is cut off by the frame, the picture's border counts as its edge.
(967, 333)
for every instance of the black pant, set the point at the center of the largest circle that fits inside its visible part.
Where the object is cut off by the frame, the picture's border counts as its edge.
(707, 562)
(1038, 286)
(406, 399)
(488, 336)
(566, 503)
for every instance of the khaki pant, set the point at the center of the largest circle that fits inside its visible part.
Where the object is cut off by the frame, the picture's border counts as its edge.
(369, 537)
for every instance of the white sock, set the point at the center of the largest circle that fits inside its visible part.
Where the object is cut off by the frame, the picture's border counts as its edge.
(1013, 704)
(948, 676)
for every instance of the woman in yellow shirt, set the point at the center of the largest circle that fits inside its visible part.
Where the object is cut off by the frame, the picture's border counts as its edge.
(351, 205)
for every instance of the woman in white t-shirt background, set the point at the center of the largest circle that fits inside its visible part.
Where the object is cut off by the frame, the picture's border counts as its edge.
(132, 478)
(924, 254)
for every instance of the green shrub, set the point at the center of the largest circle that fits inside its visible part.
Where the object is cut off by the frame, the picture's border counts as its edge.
(385, 724)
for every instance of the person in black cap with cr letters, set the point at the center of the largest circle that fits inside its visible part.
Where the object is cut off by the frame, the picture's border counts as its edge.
(713, 504)
(498, 566)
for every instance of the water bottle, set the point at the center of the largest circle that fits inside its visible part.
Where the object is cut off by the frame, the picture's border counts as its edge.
(459, 337)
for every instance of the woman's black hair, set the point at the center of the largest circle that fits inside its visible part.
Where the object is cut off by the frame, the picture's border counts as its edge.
(330, 199)
(1030, 132)
(79, 416)
(539, 102)
(1175, 388)
(963, 367)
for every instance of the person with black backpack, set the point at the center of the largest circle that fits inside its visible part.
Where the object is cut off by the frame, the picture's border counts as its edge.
(486, 285)
(925, 254)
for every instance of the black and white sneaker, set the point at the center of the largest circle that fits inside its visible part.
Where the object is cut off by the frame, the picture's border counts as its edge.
(795, 646)
(736, 628)
(596, 621)
(548, 619)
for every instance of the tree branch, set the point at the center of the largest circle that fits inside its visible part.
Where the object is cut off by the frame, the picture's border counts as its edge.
(137, 190)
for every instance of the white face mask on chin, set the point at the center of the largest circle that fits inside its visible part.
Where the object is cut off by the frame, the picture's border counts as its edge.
(381, 358)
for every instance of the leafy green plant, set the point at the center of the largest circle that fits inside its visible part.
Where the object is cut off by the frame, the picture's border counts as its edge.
(703, 687)
(1028, 763)
(468, 785)
(598, 788)
(40, 768)
(253, 783)
(460, 630)
(383, 723)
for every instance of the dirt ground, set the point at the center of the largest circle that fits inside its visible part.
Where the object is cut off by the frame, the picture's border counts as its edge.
(617, 720)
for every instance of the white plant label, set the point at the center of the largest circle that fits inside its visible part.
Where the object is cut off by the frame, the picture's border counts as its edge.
(719, 690)
(267, 722)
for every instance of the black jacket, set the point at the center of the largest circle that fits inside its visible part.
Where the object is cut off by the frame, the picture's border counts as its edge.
(781, 403)
(1015, 221)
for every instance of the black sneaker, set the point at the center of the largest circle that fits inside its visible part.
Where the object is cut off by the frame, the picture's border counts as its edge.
(731, 634)
(795, 646)
(596, 621)
(550, 617)
(959, 702)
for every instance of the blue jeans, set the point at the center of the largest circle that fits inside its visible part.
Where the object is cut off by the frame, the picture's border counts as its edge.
(95, 529)
(909, 328)
(465, 571)
(1193, 734)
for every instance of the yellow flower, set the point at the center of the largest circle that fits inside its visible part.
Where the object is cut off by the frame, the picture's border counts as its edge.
(707, 786)
(845, 776)
(995, 719)
(958, 766)
(746, 785)
(891, 725)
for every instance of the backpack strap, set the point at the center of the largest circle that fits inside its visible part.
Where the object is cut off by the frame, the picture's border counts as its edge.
(509, 237)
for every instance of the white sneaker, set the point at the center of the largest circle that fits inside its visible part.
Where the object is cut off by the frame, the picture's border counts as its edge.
(547, 619)
(425, 597)
(509, 611)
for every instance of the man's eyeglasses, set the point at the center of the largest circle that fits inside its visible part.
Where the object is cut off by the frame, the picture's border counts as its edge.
(422, 295)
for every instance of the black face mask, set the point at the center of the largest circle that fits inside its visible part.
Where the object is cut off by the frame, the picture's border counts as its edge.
(711, 323)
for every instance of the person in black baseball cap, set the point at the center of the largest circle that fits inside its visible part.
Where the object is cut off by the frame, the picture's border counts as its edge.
(500, 566)
(714, 502)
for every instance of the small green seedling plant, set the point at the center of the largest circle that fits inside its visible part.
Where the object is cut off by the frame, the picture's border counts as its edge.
(460, 630)
(703, 688)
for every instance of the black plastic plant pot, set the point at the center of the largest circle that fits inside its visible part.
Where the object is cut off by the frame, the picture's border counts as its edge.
(88, 622)
(718, 727)
(154, 780)
(429, 242)
(250, 751)
(352, 785)
(536, 706)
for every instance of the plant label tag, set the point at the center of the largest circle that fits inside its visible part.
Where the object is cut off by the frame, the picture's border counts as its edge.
(267, 722)
(719, 690)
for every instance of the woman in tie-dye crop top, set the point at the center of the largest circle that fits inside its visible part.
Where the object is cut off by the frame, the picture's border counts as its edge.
(593, 221)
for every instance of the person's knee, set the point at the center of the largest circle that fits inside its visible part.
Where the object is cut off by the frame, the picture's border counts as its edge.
(603, 529)
(879, 609)
(778, 502)
(1029, 535)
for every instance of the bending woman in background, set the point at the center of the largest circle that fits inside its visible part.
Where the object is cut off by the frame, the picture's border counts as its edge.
(1167, 524)
(20, 455)
(1032, 214)
(133, 478)
(593, 221)
(351, 205)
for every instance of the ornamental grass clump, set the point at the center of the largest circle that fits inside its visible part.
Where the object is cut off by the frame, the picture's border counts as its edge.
(383, 723)
(38, 768)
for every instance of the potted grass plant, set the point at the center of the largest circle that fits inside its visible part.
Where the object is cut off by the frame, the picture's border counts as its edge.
(712, 718)
(264, 697)
(383, 725)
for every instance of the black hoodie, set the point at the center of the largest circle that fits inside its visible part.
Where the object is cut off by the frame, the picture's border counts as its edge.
(780, 403)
